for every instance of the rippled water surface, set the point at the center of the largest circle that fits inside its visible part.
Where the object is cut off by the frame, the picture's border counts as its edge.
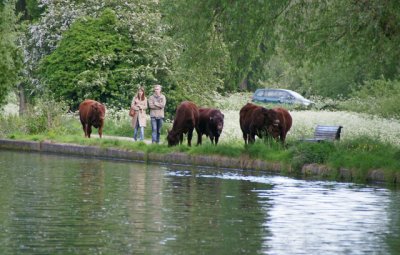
(65, 205)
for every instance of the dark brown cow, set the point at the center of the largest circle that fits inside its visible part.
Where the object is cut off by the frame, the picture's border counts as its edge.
(91, 113)
(186, 119)
(211, 123)
(256, 120)
(285, 123)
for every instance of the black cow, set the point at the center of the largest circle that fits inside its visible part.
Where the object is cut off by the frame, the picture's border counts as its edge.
(211, 123)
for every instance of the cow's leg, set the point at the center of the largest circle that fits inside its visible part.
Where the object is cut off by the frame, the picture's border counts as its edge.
(84, 126)
(181, 138)
(89, 130)
(252, 137)
(216, 139)
(199, 137)
(212, 138)
(283, 135)
(190, 135)
(245, 138)
(100, 131)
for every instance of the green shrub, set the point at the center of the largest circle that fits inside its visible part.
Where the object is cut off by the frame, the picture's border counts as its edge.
(10, 124)
(377, 97)
(310, 152)
(45, 116)
(268, 150)
(366, 153)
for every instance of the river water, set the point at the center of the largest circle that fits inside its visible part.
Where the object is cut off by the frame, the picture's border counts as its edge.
(67, 205)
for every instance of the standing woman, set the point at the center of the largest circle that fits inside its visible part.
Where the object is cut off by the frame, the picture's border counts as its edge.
(139, 105)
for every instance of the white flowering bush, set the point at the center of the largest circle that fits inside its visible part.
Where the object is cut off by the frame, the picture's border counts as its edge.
(117, 122)
(233, 101)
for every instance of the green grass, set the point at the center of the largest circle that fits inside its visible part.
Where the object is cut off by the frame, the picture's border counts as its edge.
(364, 154)
(260, 150)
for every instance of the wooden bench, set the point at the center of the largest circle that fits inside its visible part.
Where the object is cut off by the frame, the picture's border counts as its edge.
(325, 133)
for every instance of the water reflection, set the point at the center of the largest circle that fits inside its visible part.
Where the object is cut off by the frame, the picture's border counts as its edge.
(64, 205)
(144, 205)
(392, 236)
(213, 214)
(332, 219)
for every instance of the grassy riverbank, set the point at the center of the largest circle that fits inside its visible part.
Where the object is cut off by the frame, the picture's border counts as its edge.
(368, 142)
(360, 155)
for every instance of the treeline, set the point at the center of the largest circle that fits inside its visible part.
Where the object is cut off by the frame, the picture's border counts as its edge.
(69, 50)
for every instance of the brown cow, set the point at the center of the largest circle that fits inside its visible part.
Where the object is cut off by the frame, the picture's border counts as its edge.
(186, 119)
(256, 120)
(91, 113)
(211, 123)
(285, 123)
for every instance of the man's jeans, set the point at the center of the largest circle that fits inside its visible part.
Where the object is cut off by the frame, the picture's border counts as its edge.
(156, 125)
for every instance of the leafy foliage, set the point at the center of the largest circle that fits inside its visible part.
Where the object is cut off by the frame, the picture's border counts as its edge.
(306, 153)
(91, 62)
(347, 42)
(196, 48)
(377, 97)
(136, 21)
(10, 55)
(47, 116)
(224, 35)
(28, 9)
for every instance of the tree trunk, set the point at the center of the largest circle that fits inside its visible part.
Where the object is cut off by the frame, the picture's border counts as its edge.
(22, 99)
(244, 84)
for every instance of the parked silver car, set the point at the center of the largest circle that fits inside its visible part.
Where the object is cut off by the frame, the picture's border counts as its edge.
(281, 96)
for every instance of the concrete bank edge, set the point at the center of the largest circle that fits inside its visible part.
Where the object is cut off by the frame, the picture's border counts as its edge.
(114, 153)
(245, 163)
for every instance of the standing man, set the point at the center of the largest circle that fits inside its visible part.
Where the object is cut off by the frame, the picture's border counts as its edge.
(157, 103)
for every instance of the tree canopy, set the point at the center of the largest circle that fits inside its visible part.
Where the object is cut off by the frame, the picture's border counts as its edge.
(110, 50)
(10, 55)
(105, 49)
(93, 60)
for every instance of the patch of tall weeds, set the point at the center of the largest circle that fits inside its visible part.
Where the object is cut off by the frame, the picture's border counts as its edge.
(376, 97)
(46, 116)
(366, 153)
(302, 153)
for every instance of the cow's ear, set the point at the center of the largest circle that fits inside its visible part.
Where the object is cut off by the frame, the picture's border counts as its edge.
(223, 116)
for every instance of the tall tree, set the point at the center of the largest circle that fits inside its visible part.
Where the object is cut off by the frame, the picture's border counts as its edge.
(231, 33)
(362, 35)
(107, 53)
(28, 11)
(10, 55)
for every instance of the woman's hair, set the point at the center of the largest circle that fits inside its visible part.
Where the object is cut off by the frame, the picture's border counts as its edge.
(143, 96)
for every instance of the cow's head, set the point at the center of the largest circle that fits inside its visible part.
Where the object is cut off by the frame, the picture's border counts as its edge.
(274, 125)
(218, 122)
(270, 117)
(271, 122)
(172, 138)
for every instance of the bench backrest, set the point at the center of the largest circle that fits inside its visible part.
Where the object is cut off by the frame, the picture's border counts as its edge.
(327, 132)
